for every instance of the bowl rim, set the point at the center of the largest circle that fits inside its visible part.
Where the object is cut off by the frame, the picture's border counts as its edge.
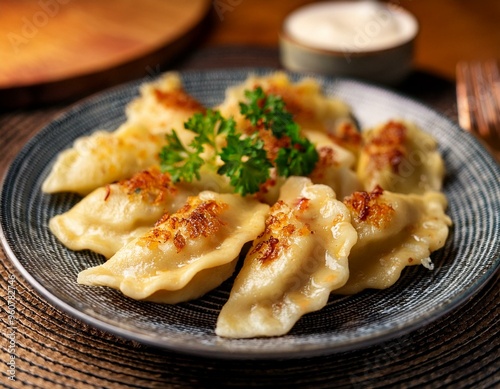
(285, 36)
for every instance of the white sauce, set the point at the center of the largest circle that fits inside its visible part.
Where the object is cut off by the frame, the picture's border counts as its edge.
(350, 26)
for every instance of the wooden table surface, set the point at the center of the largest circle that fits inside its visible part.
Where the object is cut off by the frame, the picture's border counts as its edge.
(460, 350)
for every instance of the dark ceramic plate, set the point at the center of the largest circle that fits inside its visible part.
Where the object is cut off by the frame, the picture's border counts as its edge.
(469, 258)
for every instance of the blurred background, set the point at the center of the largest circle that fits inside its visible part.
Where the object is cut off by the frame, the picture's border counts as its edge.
(450, 30)
(58, 50)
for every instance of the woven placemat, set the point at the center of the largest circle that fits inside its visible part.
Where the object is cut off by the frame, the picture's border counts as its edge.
(53, 350)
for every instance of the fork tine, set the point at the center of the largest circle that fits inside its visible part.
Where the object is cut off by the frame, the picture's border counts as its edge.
(482, 101)
(463, 96)
(493, 79)
(478, 101)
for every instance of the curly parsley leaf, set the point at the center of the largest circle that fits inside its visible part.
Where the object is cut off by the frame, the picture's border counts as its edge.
(294, 161)
(208, 127)
(184, 163)
(269, 111)
(245, 163)
(181, 163)
(266, 110)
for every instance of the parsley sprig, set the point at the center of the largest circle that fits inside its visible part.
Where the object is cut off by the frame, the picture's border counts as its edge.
(184, 163)
(245, 162)
(299, 159)
(268, 111)
(181, 163)
(244, 158)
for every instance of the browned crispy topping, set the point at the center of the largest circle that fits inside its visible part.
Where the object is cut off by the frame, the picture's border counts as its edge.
(178, 99)
(367, 207)
(193, 220)
(271, 143)
(279, 228)
(347, 136)
(387, 147)
(179, 241)
(162, 219)
(326, 161)
(267, 249)
(303, 204)
(293, 102)
(151, 184)
(264, 188)
(204, 219)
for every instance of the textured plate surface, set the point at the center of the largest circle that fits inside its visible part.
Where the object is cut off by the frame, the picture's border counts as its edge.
(469, 258)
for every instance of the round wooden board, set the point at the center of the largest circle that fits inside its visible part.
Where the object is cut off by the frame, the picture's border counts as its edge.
(57, 49)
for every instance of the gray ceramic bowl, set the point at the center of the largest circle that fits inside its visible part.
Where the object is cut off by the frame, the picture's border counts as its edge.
(386, 63)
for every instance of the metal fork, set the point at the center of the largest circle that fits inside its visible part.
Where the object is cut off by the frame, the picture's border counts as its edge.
(478, 100)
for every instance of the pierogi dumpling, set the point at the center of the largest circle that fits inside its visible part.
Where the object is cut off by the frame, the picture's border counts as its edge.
(187, 253)
(293, 265)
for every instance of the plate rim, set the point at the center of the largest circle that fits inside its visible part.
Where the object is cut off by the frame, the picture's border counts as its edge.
(209, 351)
